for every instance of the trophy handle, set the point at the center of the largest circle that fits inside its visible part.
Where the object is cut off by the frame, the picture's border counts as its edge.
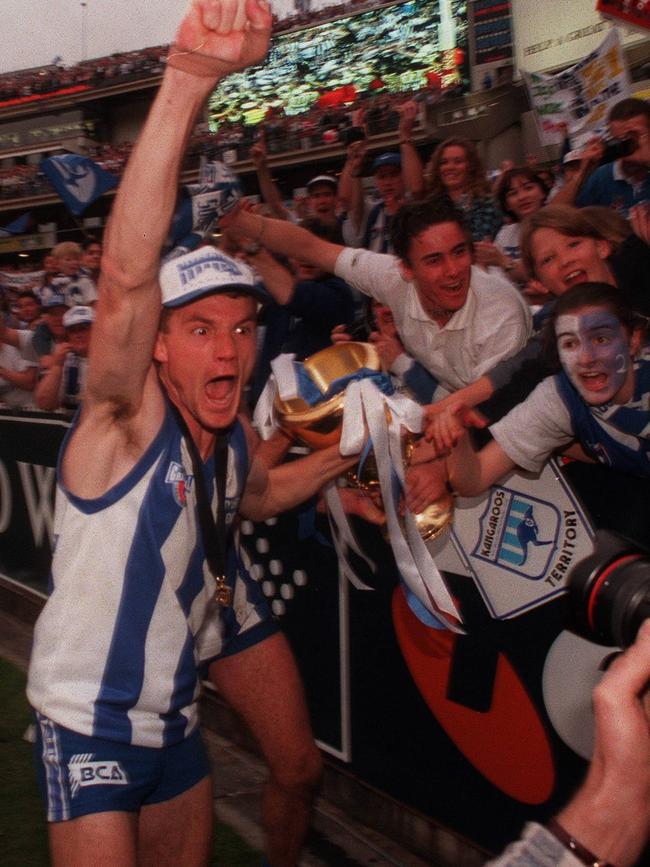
(433, 521)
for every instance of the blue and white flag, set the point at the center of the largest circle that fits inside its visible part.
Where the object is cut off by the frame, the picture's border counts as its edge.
(201, 205)
(78, 180)
(18, 226)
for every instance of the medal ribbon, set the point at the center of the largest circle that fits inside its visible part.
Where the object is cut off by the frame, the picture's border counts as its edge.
(213, 531)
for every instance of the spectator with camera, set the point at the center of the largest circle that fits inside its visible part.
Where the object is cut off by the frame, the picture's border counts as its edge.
(623, 182)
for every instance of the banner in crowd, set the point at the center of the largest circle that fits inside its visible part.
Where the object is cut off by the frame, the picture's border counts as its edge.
(634, 12)
(578, 99)
(78, 180)
(24, 280)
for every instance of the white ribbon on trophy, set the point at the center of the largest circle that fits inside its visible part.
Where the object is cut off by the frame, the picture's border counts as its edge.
(367, 410)
(285, 382)
(365, 405)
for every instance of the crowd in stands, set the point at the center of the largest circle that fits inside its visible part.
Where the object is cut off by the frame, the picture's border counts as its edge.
(325, 123)
(45, 328)
(44, 81)
(233, 140)
(504, 218)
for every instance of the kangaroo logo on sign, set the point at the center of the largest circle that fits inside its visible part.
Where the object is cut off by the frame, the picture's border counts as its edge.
(518, 533)
(518, 541)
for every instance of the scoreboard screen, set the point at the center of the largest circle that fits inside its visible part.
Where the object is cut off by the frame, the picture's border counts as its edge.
(391, 47)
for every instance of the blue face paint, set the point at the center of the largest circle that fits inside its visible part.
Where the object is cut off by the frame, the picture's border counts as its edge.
(595, 352)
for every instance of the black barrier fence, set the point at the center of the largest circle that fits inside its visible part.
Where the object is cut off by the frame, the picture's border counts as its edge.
(464, 730)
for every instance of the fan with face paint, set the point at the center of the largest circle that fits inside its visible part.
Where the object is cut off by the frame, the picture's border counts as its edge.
(596, 350)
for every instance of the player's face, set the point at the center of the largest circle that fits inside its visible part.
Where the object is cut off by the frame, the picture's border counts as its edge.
(596, 353)
(206, 355)
(321, 201)
(440, 265)
(524, 197)
(454, 168)
(562, 261)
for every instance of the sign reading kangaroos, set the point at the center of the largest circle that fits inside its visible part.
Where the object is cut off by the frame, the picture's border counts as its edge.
(511, 535)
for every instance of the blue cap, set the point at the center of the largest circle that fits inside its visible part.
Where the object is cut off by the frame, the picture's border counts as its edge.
(206, 271)
(388, 159)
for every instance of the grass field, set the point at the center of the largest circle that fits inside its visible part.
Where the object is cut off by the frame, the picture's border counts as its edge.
(23, 833)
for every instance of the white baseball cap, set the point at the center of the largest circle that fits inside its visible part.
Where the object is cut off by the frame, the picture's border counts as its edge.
(206, 271)
(78, 316)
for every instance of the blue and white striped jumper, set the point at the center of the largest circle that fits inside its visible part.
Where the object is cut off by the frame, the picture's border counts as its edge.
(131, 610)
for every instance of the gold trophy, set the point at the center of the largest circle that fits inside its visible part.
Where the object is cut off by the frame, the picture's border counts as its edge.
(320, 425)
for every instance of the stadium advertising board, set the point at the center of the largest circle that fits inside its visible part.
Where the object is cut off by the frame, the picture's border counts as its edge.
(390, 48)
(557, 34)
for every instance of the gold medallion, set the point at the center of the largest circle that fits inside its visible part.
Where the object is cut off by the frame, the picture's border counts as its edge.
(222, 593)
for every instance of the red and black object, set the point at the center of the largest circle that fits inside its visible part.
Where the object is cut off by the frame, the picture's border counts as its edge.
(609, 591)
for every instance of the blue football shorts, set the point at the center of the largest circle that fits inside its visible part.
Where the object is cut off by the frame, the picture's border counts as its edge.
(78, 775)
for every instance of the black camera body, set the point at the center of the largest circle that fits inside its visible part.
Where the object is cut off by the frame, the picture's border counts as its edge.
(609, 591)
(617, 148)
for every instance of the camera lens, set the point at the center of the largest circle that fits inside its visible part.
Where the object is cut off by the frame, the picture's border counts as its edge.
(609, 591)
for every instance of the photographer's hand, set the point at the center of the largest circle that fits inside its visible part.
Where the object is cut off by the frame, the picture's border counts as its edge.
(610, 814)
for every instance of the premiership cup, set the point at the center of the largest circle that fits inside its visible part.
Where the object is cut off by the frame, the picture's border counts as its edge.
(319, 426)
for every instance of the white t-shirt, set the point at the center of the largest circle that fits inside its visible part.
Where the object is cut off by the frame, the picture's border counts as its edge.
(535, 428)
(494, 323)
(11, 359)
(508, 239)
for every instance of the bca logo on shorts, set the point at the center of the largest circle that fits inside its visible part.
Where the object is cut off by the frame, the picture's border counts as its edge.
(84, 771)
(518, 533)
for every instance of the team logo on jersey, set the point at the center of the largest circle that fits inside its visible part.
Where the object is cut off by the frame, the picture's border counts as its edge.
(518, 533)
(84, 771)
(181, 483)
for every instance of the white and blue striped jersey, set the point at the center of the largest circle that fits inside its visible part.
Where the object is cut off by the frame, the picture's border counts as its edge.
(115, 648)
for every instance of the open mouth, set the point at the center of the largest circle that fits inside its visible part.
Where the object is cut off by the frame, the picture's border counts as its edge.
(575, 277)
(221, 389)
(593, 382)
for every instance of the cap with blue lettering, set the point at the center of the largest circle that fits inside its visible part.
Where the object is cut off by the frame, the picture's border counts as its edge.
(206, 271)
(54, 299)
(79, 315)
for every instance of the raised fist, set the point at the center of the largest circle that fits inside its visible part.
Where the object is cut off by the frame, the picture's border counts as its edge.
(233, 34)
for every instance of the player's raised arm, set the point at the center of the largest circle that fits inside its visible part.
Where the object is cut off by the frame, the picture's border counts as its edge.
(215, 37)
